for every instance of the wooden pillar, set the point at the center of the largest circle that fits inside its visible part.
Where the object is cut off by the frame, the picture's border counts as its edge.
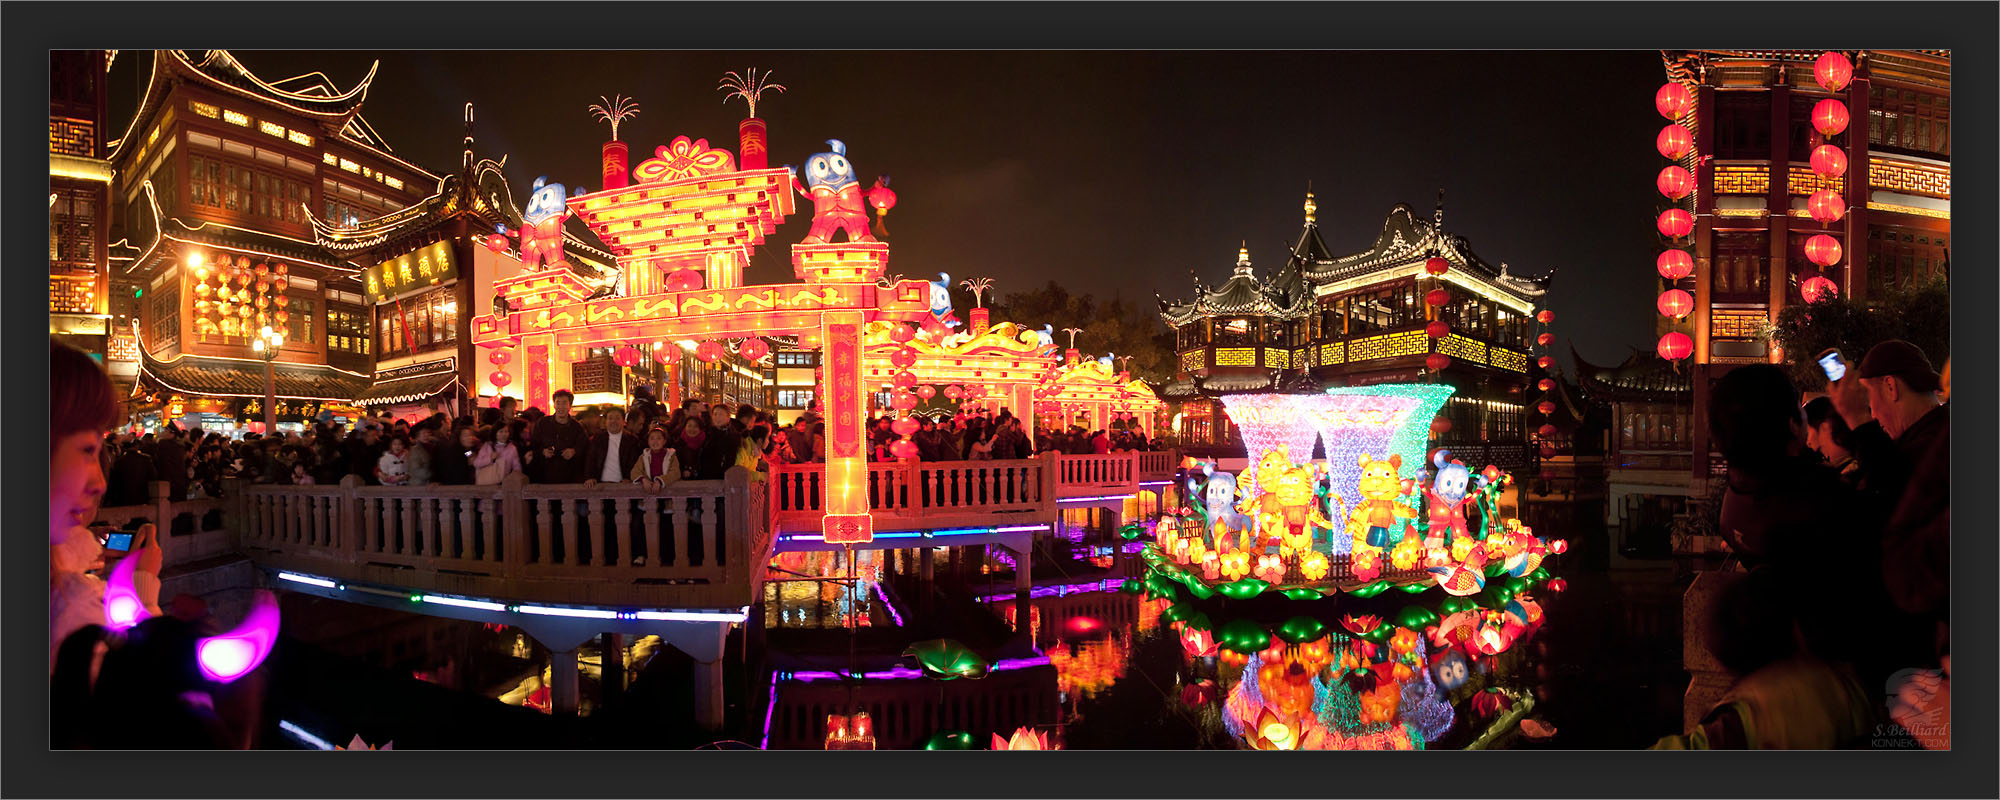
(1704, 279)
(564, 685)
(708, 700)
(924, 564)
(1779, 201)
(611, 669)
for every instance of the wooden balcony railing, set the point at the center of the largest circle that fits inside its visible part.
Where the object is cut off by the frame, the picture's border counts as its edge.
(932, 494)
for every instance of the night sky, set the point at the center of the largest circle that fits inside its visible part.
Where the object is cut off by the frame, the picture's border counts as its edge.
(1113, 173)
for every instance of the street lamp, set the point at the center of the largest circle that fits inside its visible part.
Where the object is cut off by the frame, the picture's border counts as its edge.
(266, 344)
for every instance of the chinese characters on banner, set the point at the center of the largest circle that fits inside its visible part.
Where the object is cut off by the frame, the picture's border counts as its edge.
(429, 265)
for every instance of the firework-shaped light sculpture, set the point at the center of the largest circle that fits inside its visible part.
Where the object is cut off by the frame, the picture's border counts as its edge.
(615, 110)
(979, 287)
(750, 86)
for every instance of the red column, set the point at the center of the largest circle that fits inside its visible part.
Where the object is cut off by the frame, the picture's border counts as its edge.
(1854, 273)
(616, 176)
(755, 149)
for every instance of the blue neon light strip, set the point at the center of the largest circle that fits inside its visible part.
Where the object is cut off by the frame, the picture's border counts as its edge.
(900, 672)
(934, 534)
(303, 736)
(1101, 497)
(665, 615)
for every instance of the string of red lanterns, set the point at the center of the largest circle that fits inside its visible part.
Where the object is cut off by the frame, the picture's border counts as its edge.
(1675, 101)
(1827, 206)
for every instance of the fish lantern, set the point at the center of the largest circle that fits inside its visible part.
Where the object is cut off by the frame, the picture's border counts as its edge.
(903, 449)
(1675, 346)
(710, 351)
(1436, 265)
(1675, 223)
(954, 391)
(500, 378)
(1545, 316)
(1545, 339)
(1833, 71)
(1675, 182)
(496, 242)
(901, 334)
(1674, 141)
(683, 280)
(753, 348)
(1817, 288)
(1547, 407)
(1437, 297)
(904, 426)
(1437, 329)
(1823, 250)
(1673, 100)
(1545, 362)
(1675, 264)
(927, 391)
(1829, 117)
(627, 356)
(1826, 206)
(1675, 303)
(499, 358)
(1436, 362)
(903, 358)
(1829, 161)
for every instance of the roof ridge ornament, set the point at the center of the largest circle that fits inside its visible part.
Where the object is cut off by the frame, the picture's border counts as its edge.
(1311, 207)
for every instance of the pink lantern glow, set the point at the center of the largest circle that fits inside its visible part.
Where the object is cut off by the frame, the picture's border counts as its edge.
(903, 358)
(710, 351)
(903, 449)
(1675, 346)
(1675, 303)
(497, 243)
(1675, 223)
(954, 391)
(903, 401)
(1675, 264)
(1826, 206)
(1675, 182)
(904, 379)
(1674, 142)
(1833, 71)
(904, 426)
(1673, 100)
(234, 654)
(1823, 250)
(901, 334)
(1817, 288)
(1829, 161)
(664, 355)
(1829, 117)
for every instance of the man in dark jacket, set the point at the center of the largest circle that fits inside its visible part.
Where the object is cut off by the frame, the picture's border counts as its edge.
(559, 442)
(612, 451)
(362, 450)
(170, 461)
(131, 479)
(718, 451)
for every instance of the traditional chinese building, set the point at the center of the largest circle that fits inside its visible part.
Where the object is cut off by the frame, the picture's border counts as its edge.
(219, 175)
(1753, 138)
(1648, 450)
(1360, 319)
(79, 192)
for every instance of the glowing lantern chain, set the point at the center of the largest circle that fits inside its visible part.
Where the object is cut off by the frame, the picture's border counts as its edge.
(1829, 162)
(1675, 101)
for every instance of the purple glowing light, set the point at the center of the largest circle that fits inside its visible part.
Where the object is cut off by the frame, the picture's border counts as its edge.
(122, 606)
(234, 654)
(900, 672)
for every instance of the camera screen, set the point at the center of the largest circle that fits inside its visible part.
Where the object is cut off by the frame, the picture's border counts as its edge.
(121, 542)
(1835, 368)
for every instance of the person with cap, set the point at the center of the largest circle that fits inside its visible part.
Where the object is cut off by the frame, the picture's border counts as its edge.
(1901, 435)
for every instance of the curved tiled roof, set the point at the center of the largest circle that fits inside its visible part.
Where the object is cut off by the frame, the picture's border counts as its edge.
(229, 377)
(1643, 375)
(1406, 239)
(1243, 295)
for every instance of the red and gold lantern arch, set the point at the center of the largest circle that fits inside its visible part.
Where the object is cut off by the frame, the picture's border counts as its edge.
(1089, 392)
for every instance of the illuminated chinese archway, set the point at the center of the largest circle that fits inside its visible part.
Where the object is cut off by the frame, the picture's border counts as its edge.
(682, 232)
(1005, 361)
(1089, 390)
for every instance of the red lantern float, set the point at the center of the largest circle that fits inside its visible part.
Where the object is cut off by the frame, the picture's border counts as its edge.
(1545, 339)
(1674, 142)
(1437, 297)
(1545, 362)
(1673, 100)
(1823, 250)
(1829, 161)
(1675, 223)
(927, 391)
(753, 348)
(1436, 265)
(1545, 384)
(1545, 316)
(627, 356)
(1675, 346)
(1675, 182)
(1437, 330)
(1817, 288)
(1675, 303)
(1546, 431)
(683, 280)
(1437, 362)
(1826, 206)
(500, 378)
(1547, 407)
(1829, 117)
(1833, 71)
(1675, 264)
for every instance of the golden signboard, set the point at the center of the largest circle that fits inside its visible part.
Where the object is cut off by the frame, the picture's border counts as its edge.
(429, 265)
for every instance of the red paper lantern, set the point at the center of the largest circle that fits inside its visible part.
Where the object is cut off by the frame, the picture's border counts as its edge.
(1437, 297)
(1675, 303)
(1673, 100)
(710, 351)
(1548, 451)
(496, 243)
(683, 280)
(1823, 250)
(901, 334)
(1829, 161)
(1833, 71)
(903, 401)
(1545, 384)
(1438, 329)
(905, 425)
(1675, 182)
(1437, 362)
(1436, 265)
(1440, 426)
(1545, 339)
(281, 317)
(279, 283)
(1829, 117)
(627, 356)
(903, 448)
(753, 348)
(1674, 142)
(903, 358)
(882, 197)
(904, 379)
(664, 355)
(261, 270)
(1675, 223)
(1675, 264)
(1826, 206)
(499, 357)
(1545, 362)
(927, 391)
(954, 391)
(1817, 288)
(1546, 431)
(281, 301)
(1675, 346)
(500, 378)
(1545, 316)
(1547, 407)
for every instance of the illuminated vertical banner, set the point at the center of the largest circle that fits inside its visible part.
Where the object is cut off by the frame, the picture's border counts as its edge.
(846, 482)
(755, 148)
(538, 376)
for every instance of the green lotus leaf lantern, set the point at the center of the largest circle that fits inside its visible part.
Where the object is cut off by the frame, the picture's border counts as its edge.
(1416, 618)
(1299, 630)
(948, 659)
(1243, 636)
(949, 740)
(1243, 589)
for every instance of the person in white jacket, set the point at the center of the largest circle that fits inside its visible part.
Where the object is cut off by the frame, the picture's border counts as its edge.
(82, 407)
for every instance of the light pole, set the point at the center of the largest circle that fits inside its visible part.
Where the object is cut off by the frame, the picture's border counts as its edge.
(267, 344)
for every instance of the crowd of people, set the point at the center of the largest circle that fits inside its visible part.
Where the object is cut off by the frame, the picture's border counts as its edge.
(1839, 511)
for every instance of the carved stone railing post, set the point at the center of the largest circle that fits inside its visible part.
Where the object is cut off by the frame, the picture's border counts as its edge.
(516, 527)
(353, 534)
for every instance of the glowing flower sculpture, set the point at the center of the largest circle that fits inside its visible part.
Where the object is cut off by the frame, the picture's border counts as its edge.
(1024, 739)
(948, 659)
